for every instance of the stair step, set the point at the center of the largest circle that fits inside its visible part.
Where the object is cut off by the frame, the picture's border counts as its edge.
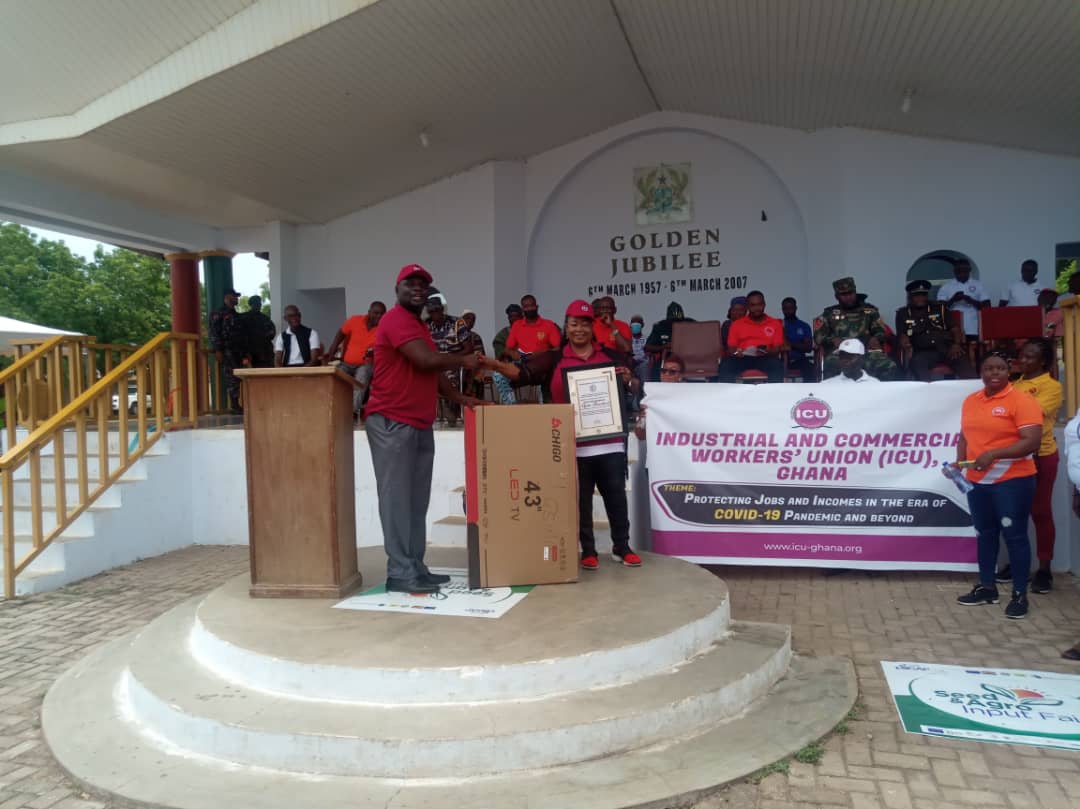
(80, 728)
(192, 707)
(93, 441)
(82, 526)
(71, 468)
(22, 491)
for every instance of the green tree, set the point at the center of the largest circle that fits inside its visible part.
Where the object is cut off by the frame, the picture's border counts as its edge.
(119, 297)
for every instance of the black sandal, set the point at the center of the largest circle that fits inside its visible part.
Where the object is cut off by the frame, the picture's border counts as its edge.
(1072, 654)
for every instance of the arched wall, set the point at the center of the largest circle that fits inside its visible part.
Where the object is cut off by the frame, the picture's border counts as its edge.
(745, 231)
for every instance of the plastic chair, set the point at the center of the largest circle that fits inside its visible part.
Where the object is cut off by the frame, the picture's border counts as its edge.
(699, 345)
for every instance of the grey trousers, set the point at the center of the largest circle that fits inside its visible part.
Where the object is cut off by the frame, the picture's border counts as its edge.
(403, 457)
(362, 374)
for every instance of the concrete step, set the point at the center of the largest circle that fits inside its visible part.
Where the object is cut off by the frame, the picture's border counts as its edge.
(37, 580)
(93, 442)
(81, 726)
(315, 652)
(71, 468)
(23, 492)
(185, 703)
(83, 525)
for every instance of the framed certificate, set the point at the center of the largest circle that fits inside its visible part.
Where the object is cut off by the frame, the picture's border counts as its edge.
(597, 399)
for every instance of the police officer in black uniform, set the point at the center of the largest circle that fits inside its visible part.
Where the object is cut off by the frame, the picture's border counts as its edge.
(927, 331)
(225, 341)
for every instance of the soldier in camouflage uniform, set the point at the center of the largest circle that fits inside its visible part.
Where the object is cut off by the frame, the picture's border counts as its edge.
(852, 318)
(225, 343)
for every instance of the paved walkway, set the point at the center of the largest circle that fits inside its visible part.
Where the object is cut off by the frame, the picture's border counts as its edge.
(868, 618)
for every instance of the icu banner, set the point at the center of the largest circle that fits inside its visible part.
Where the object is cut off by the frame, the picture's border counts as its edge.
(832, 475)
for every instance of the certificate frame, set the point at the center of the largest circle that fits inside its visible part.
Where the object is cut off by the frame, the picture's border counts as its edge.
(596, 395)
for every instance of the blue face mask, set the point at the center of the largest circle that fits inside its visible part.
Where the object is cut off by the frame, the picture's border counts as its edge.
(635, 329)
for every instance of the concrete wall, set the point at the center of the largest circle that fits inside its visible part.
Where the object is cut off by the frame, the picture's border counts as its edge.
(839, 202)
(206, 469)
(218, 484)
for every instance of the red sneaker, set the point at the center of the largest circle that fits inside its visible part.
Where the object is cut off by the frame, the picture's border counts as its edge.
(590, 563)
(630, 559)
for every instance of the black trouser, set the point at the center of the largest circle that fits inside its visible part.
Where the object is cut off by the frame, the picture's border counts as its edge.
(731, 367)
(924, 360)
(805, 367)
(608, 474)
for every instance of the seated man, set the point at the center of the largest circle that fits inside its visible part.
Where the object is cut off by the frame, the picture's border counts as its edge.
(498, 344)
(800, 340)
(736, 311)
(851, 318)
(850, 357)
(356, 339)
(927, 331)
(966, 295)
(297, 345)
(754, 342)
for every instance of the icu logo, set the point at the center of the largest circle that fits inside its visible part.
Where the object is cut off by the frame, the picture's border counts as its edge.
(811, 413)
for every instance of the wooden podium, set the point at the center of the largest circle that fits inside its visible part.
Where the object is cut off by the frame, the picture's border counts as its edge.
(298, 437)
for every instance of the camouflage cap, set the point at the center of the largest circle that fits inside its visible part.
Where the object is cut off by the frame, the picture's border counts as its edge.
(842, 285)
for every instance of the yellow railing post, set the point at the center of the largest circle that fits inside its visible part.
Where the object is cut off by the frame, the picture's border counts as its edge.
(9, 534)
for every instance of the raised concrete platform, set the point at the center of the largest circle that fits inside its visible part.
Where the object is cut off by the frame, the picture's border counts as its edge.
(630, 688)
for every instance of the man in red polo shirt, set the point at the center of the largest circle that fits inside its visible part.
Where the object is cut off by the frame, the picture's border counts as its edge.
(407, 382)
(532, 333)
(754, 342)
(611, 333)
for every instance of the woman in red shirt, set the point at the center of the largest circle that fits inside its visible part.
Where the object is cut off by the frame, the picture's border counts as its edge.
(1000, 429)
(601, 463)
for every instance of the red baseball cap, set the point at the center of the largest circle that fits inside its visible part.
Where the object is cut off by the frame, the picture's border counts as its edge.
(580, 308)
(412, 269)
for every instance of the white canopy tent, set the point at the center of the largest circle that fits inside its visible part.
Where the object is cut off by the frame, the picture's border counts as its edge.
(13, 332)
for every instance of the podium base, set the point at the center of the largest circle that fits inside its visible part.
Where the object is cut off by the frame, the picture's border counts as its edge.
(346, 588)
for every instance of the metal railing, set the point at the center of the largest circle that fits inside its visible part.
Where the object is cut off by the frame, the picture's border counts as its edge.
(48, 374)
(167, 387)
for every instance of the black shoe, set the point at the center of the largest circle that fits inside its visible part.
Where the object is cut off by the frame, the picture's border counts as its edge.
(979, 595)
(416, 585)
(435, 578)
(1004, 575)
(1018, 606)
(1042, 582)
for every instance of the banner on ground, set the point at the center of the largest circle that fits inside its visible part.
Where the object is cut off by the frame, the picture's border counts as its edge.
(1009, 706)
(454, 599)
(832, 475)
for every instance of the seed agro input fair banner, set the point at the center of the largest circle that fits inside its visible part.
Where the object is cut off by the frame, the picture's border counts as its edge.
(1009, 706)
(833, 475)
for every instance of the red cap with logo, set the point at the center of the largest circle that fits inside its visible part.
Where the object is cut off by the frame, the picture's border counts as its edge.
(412, 269)
(579, 308)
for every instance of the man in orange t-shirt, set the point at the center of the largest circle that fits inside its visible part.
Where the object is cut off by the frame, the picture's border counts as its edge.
(532, 333)
(754, 342)
(356, 338)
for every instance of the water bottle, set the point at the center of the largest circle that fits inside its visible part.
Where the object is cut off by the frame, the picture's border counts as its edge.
(957, 477)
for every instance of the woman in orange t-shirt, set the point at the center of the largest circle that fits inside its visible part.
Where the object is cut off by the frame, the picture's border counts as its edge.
(1000, 430)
